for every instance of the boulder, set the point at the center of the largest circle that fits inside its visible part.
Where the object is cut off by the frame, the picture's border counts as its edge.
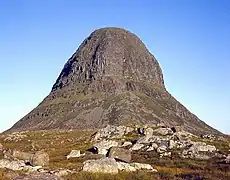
(125, 167)
(202, 147)
(136, 147)
(120, 154)
(104, 145)
(13, 165)
(74, 153)
(197, 149)
(104, 165)
(134, 167)
(40, 158)
(140, 166)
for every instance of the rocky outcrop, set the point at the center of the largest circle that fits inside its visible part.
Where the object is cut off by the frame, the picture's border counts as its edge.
(109, 165)
(112, 79)
(112, 132)
(195, 151)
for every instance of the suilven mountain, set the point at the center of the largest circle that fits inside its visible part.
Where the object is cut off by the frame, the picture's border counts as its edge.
(113, 79)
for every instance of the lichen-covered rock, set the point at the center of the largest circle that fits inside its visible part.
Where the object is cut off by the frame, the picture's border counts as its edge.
(104, 165)
(120, 154)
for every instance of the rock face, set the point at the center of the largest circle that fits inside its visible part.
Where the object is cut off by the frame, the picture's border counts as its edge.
(111, 79)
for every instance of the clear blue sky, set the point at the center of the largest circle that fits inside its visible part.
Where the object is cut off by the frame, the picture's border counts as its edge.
(190, 39)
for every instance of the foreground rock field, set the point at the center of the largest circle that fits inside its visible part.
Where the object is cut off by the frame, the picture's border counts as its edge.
(114, 152)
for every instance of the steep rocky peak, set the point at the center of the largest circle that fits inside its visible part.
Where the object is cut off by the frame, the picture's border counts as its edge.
(110, 56)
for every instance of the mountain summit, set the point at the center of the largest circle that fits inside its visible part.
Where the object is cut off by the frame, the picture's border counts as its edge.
(113, 79)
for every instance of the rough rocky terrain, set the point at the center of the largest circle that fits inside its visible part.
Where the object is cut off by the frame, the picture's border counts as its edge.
(113, 79)
(137, 152)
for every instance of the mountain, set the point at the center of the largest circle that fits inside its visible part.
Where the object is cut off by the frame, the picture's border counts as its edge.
(113, 79)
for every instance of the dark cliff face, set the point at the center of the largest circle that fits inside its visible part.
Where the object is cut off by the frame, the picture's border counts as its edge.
(110, 54)
(111, 79)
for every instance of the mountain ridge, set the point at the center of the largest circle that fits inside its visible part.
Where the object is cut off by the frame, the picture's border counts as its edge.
(112, 78)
